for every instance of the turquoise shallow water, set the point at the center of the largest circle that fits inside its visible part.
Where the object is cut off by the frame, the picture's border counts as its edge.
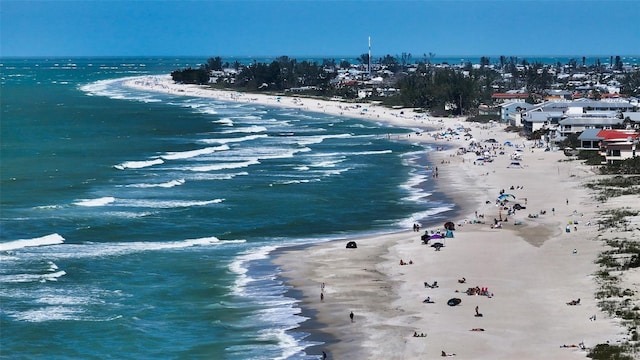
(139, 225)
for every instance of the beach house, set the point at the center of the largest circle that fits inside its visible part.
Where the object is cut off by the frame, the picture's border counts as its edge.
(570, 117)
(511, 112)
(617, 145)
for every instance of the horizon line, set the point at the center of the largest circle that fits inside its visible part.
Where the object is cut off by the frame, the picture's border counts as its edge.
(305, 56)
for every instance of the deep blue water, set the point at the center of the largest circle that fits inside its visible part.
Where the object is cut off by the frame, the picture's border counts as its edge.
(139, 225)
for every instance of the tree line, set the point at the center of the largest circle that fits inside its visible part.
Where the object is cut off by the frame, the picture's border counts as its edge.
(457, 89)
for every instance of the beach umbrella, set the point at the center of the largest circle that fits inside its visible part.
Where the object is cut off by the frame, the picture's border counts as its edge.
(449, 225)
(436, 236)
(504, 197)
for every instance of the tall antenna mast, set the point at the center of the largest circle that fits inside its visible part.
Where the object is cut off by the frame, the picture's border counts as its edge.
(369, 56)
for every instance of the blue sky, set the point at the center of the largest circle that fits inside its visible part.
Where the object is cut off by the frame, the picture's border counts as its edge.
(318, 28)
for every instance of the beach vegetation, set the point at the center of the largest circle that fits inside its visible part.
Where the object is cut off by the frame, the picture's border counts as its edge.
(608, 352)
(627, 166)
(615, 186)
(621, 255)
(616, 218)
(483, 119)
(538, 134)
(198, 76)
(630, 84)
(449, 89)
(591, 157)
(571, 141)
(214, 64)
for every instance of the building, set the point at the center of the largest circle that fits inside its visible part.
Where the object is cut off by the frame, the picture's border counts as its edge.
(574, 124)
(578, 115)
(617, 145)
(589, 140)
(510, 112)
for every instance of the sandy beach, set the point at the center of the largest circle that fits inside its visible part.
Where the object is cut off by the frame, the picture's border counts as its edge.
(528, 268)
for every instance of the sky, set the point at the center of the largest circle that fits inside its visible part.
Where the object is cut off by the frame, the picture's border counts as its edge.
(63, 28)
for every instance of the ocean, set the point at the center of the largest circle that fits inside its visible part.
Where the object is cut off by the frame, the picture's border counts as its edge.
(139, 225)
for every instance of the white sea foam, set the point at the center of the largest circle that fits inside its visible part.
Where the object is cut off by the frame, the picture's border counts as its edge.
(167, 204)
(168, 184)
(223, 166)
(208, 176)
(233, 140)
(239, 267)
(53, 276)
(138, 164)
(336, 171)
(99, 250)
(95, 202)
(48, 207)
(329, 163)
(416, 217)
(357, 153)
(224, 121)
(247, 129)
(413, 187)
(50, 313)
(290, 182)
(113, 88)
(27, 278)
(289, 345)
(52, 266)
(193, 153)
(317, 139)
(59, 299)
(52, 239)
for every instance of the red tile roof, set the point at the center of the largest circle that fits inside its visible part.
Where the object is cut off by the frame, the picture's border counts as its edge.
(614, 134)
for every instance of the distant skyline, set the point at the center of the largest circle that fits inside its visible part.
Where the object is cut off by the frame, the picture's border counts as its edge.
(319, 28)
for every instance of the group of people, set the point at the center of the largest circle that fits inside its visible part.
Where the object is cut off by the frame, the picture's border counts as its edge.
(484, 291)
(574, 302)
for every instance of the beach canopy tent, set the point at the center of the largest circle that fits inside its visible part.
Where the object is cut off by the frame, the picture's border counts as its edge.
(352, 245)
(449, 225)
(505, 197)
(515, 164)
(449, 234)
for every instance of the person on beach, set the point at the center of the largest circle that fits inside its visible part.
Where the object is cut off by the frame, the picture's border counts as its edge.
(351, 316)
(321, 296)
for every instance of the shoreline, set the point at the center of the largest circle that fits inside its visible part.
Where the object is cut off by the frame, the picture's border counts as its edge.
(532, 269)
